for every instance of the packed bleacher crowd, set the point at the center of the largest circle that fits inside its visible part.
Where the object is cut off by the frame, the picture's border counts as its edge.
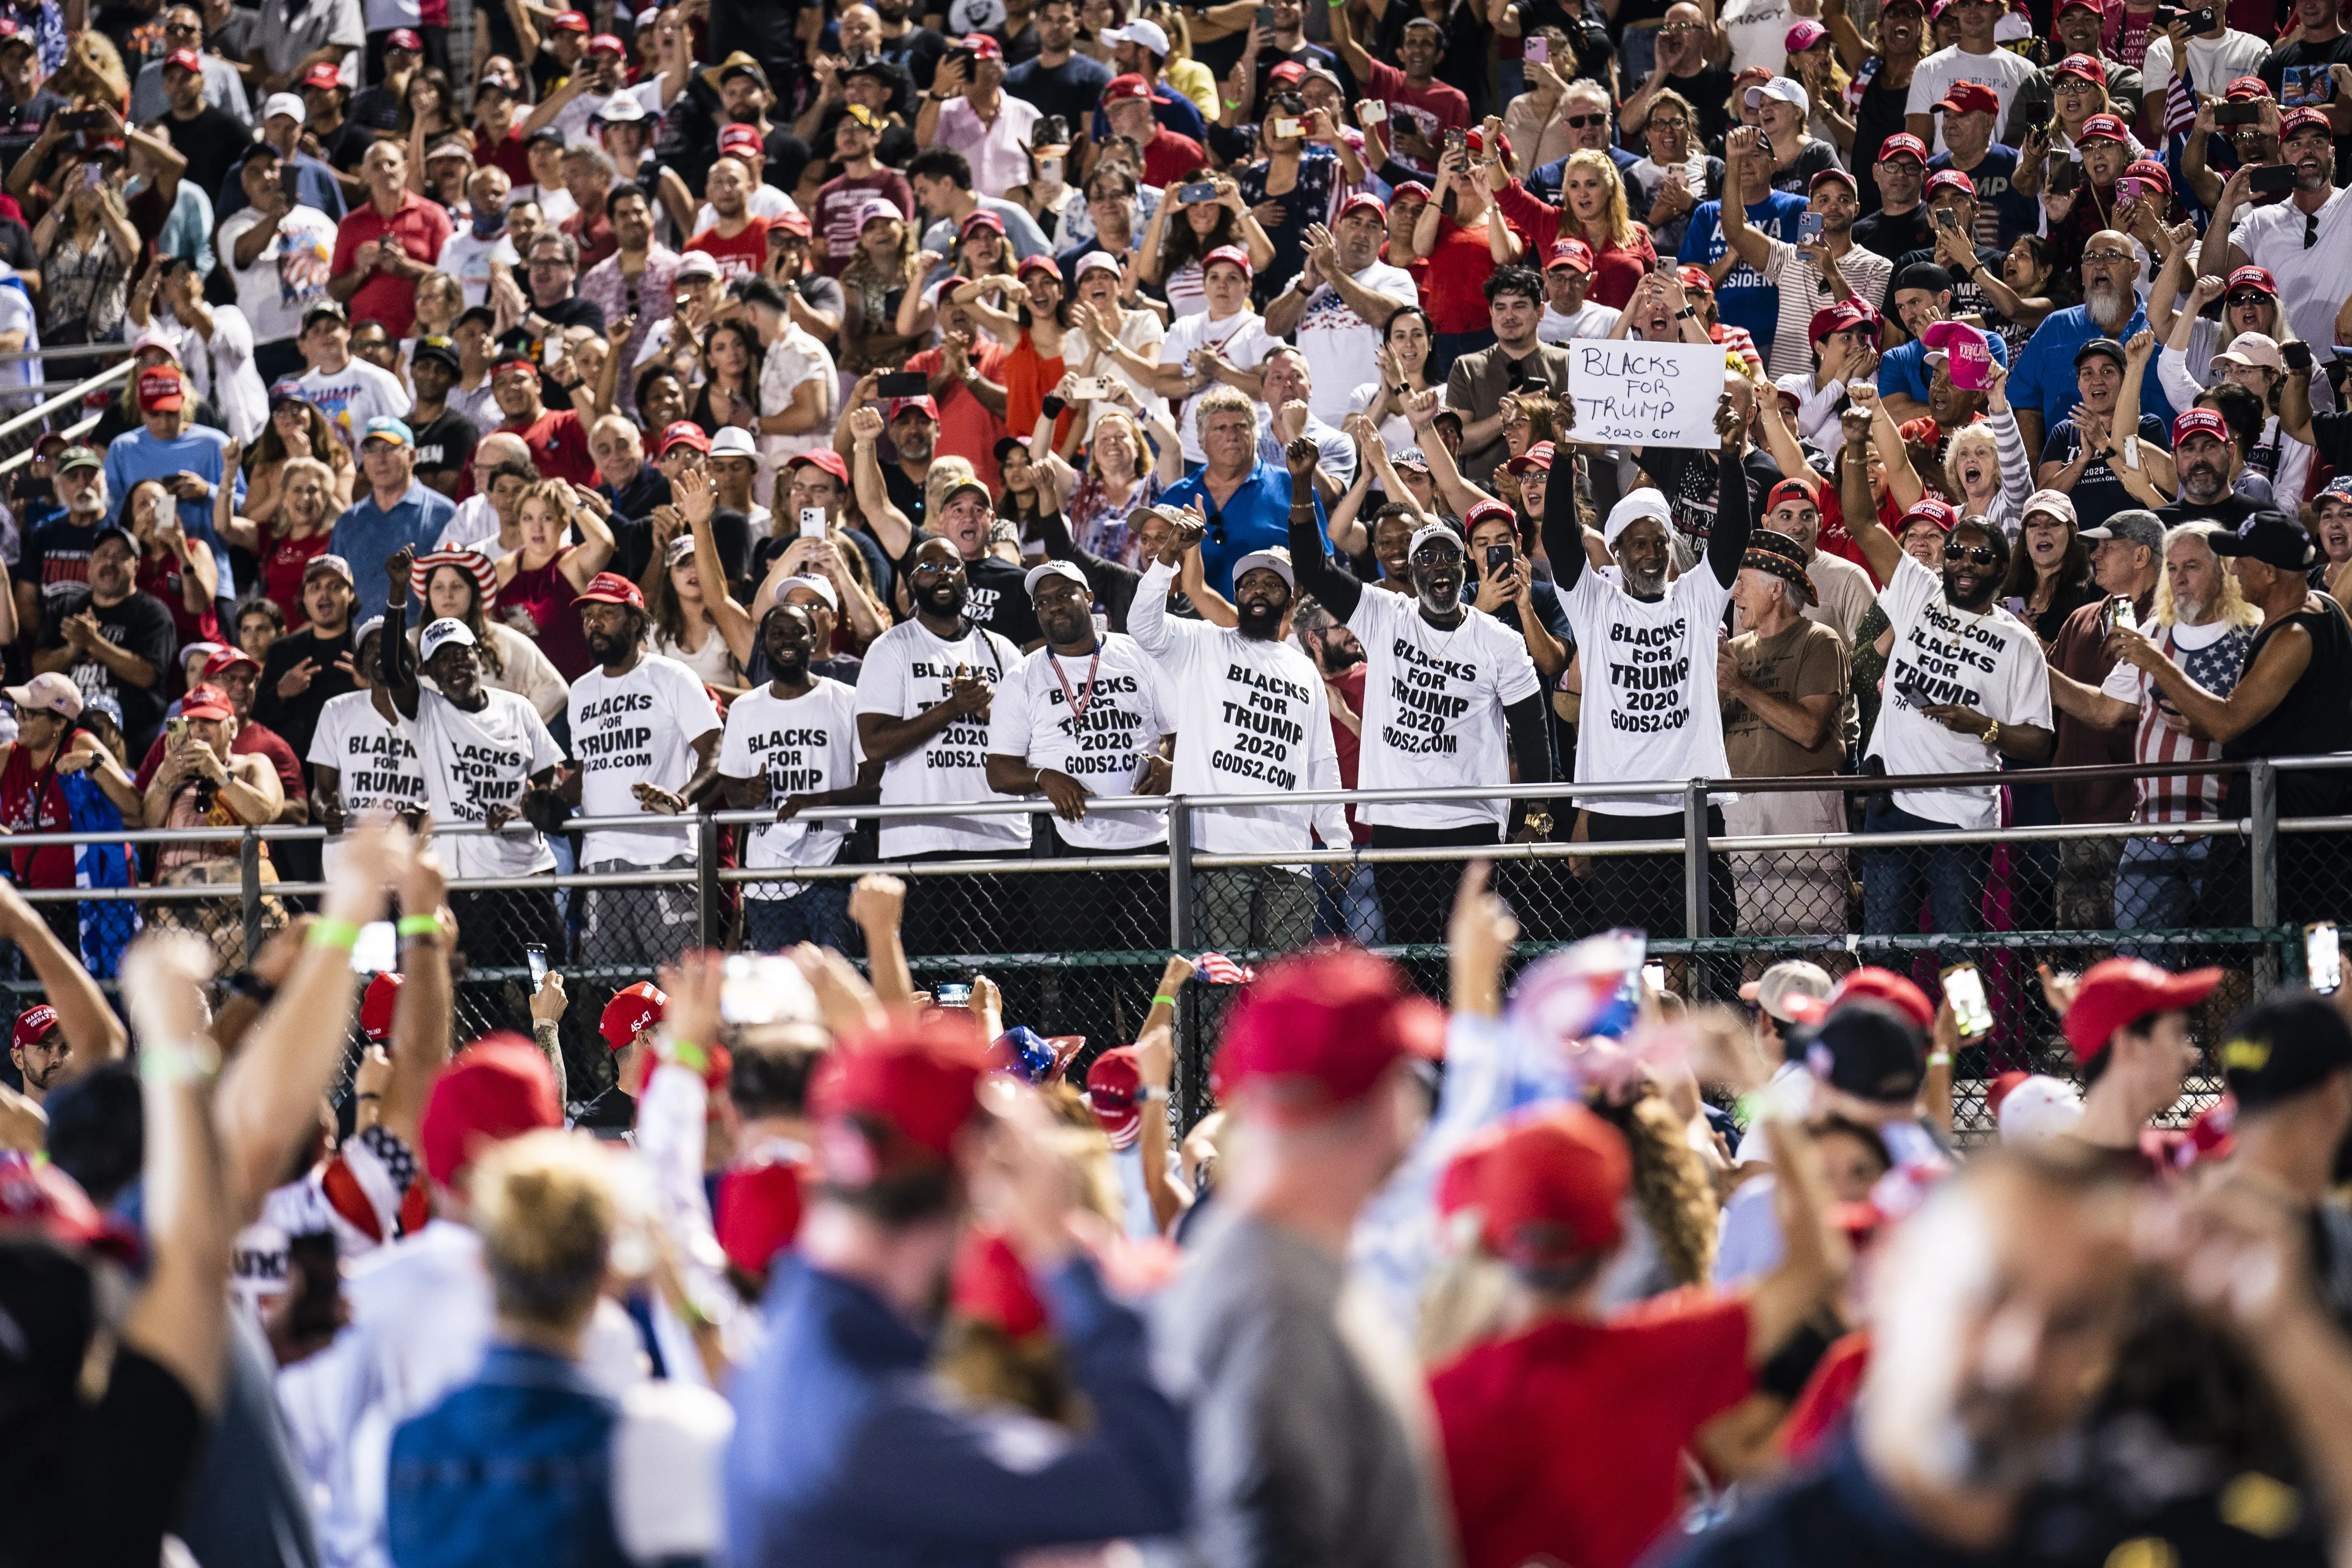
(535, 418)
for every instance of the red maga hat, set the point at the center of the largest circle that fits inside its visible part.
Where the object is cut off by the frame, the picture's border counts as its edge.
(682, 433)
(633, 1010)
(1884, 984)
(2198, 422)
(1113, 1083)
(2104, 128)
(612, 588)
(376, 1004)
(1570, 253)
(2251, 276)
(1903, 144)
(1317, 1030)
(161, 387)
(2118, 992)
(32, 1024)
(825, 459)
(758, 1213)
(989, 1284)
(496, 1088)
(892, 1098)
(1969, 98)
(1548, 1187)
(571, 22)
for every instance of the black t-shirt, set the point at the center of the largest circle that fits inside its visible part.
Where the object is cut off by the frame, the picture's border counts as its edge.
(445, 446)
(296, 718)
(211, 141)
(1968, 298)
(1815, 156)
(1709, 91)
(343, 146)
(376, 108)
(20, 123)
(999, 599)
(97, 1484)
(2099, 493)
(2229, 511)
(1893, 235)
(57, 557)
(908, 496)
(918, 52)
(877, 565)
(2335, 52)
(141, 625)
(1070, 90)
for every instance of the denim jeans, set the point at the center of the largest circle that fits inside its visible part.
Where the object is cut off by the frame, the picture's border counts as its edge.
(1348, 905)
(818, 913)
(1950, 877)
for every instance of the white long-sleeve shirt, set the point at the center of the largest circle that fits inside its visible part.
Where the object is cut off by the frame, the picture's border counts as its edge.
(1251, 719)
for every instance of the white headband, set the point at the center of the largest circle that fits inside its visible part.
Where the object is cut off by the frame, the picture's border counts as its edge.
(1641, 503)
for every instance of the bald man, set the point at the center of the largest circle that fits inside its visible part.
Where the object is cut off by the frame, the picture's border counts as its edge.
(2043, 388)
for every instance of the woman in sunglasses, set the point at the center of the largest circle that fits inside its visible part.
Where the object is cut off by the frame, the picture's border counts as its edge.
(1677, 173)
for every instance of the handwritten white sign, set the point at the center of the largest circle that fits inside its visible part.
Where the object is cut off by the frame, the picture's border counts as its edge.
(1645, 394)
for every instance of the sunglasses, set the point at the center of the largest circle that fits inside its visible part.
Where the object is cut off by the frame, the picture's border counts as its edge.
(1977, 556)
(2237, 301)
(1579, 122)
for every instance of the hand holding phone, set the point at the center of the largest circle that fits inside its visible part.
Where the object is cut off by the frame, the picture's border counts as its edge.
(2323, 956)
(1964, 989)
(1809, 228)
(902, 384)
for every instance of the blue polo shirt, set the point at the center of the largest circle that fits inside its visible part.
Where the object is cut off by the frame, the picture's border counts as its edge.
(1743, 298)
(137, 454)
(2044, 378)
(1256, 518)
(368, 535)
(1903, 368)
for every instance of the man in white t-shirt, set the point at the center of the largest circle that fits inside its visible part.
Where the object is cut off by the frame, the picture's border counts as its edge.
(281, 255)
(1442, 684)
(1566, 313)
(1965, 687)
(483, 241)
(1089, 714)
(1223, 344)
(1977, 57)
(1252, 718)
(2217, 58)
(923, 698)
(487, 760)
(348, 390)
(792, 744)
(1650, 707)
(360, 760)
(1340, 304)
(646, 735)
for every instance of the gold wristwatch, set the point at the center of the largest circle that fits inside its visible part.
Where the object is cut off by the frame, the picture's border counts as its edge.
(1991, 736)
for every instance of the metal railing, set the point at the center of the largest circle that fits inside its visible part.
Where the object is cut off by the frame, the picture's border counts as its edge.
(1077, 941)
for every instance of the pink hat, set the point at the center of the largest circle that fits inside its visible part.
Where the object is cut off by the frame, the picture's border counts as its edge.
(1803, 34)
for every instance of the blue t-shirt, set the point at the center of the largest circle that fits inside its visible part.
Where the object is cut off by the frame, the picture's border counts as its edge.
(2044, 378)
(137, 454)
(1903, 368)
(1743, 298)
(367, 536)
(1256, 518)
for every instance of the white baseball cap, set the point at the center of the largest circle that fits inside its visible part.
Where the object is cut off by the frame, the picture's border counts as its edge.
(285, 103)
(1045, 569)
(1429, 531)
(1783, 88)
(1148, 34)
(2040, 1107)
(441, 634)
(1277, 561)
(817, 585)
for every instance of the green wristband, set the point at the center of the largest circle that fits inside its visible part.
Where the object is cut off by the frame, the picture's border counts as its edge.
(419, 925)
(689, 1056)
(1163, 996)
(1939, 1058)
(330, 932)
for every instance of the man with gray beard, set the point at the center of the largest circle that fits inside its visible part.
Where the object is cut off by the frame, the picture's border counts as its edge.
(2043, 388)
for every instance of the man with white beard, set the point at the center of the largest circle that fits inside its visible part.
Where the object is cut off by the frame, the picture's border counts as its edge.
(2043, 388)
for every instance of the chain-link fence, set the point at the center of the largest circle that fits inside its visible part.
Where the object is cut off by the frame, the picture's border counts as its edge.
(1077, 942)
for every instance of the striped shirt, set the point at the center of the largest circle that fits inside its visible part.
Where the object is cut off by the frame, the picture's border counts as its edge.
(2214, 655)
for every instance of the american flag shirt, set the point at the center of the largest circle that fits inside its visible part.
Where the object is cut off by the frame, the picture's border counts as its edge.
(2213, 656)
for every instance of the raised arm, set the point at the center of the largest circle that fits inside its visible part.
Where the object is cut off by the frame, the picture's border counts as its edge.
(892, 530)
(698, 502)
(93, 1034)
(1878, 547)
(1338, 592)
(1734, 507)
(396, 673)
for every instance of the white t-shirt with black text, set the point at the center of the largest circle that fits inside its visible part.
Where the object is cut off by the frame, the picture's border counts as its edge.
(908, 670)
(1989, 661)
(376, 762)
(1096, 718)
(637, 728)
(801, 745)
(1251, 719)
(1651, 711)
(474, 761)
(1242, 338)
(1433, 703)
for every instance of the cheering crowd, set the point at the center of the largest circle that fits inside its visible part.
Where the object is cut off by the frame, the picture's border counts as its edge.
(541, 431)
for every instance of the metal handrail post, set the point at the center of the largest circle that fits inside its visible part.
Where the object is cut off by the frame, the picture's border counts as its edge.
(1695, 889)
(1192, 1073)
(248, 877)
(707, 930)
(2261, 785)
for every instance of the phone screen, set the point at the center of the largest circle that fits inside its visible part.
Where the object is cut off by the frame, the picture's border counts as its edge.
(1964, 989)
(903, 383)
(1653, 975)
(952, 994)
(536, 954)
(2323, 959)
(377, 950)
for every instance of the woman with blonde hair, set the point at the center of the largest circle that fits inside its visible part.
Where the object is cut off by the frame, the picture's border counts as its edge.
(1180, 69)
(539, 582)
(302, 523)
(1595, 209)
(548, 1209)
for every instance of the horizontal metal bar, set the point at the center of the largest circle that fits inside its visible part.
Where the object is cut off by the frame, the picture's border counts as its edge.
(65, 350)
(73, 432)
(40, 411)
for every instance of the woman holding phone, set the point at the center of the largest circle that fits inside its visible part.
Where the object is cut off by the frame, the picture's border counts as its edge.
(1213, 216)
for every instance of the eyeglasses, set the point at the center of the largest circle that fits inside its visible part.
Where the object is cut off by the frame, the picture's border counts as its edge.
(2106, 257)
(184, 29)
(1676, 123)
(1680, 27)
(1217, 529)
(2310, 230)
(1579, 122)
(1979, 555)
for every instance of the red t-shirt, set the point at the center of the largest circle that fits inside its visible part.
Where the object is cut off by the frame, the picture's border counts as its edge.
(593, 233)
(1171, 156)
(160, 575)
(283, 571)
(252, 740)
(507, 153)
(1827, 1395)
(1436, 108)
(967, 429)
(1348, 742)
(742, 256)
(1565, 1443)
(559, 444)
(1454, 290)
(836, 214)
(419, 228)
